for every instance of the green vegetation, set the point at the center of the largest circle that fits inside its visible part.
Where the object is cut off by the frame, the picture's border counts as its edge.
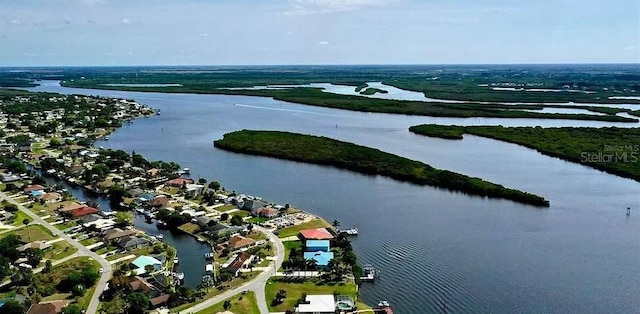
(296, 289)
(294, 230)
(240, 303)
(326, 151)
(580, 85)
(613, 150)
(32, 233)
(373, 91)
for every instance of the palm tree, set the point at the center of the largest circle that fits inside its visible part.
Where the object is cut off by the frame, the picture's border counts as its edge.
(335, 223)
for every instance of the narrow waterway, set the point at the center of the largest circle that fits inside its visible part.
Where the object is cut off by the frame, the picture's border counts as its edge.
(433, 247)
(189, 251)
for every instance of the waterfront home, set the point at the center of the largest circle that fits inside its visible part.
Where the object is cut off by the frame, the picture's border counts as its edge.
(179, 182)
(131, 242)
(322, 258)
(153, 172)
(8, 177)
(50, 307)
(33, 188)
(51, 197)
(36, 245)
(142, 262)
(85, 210)
(250, 204)
(140, 284)
(239, 242)
(238, 262)
(136, 193)
(146, 197)
(194, 189)
(203, 220)
(267, 212)
(317, 304)
(315, 234)
(114, 234)
(70, 207)
(317, 245)
(159, 202)
(90, 218)
(101, 224)
(221, 230)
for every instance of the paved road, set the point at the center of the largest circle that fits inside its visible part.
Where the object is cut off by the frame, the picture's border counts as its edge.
(82, 251)
(256, 285)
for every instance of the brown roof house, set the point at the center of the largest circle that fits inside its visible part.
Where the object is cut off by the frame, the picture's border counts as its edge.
(51, 197)
(117, 233)
(52, 307)
(242, 260)
(240, 242)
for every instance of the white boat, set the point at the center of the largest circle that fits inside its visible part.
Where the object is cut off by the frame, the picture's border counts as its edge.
(175, 260)
(186, 170)
(160, 237)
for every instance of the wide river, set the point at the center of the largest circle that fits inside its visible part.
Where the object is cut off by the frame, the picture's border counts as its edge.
(438, 251)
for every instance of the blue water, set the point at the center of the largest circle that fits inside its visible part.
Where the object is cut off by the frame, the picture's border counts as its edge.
(435, 248)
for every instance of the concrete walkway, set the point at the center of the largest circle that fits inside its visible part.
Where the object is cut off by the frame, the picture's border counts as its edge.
(124, 258)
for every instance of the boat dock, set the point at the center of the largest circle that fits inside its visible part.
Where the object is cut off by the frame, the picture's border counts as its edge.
(369, 273)
(352, 231)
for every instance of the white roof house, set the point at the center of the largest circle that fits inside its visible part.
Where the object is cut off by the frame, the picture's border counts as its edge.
(318, 304)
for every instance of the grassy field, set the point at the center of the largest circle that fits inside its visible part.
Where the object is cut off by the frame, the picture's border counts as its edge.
(60, 250)
(330, 152)
(61, 271)
(236, 282)
(32, 233)
(20, 216)
(373, 91)
(189, 227)
(295, 290)
(226, 208)
(613, 150)
(294, 230)
(240, 304)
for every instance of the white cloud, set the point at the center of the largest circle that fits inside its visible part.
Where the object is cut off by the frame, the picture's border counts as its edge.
(305, 7)
(126, 21)
(15, 22)
(323, 43)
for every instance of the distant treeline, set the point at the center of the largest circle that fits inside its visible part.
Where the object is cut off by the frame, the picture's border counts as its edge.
(613, 150)
(326, 151)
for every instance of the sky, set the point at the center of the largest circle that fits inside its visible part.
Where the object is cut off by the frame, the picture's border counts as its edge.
(273, 32)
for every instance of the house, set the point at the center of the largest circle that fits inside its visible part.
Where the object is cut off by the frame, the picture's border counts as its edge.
(117, 233)
(315, 234)
(159, 300)
(240, 242)
(51, 307)
(322, 258)
(37, 193)
(317, 245)
(140, 284)
(222, 230)
(137, 192)
(268, 212)
(142, 262)
(7, 178)
(179, 182)
(194, 189)
(203, 220)
(153, 172)
(145, 197)
(90, 218)
(71, 207)
(52, 197)
(33, 187)
(252, 204)
(160, 201)
(39, 245)
(131, 242)
(101, 224)
(317, 304)
(240, 261)
(86, 210)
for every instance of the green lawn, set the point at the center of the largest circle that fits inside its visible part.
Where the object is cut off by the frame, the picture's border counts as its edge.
(61, 271)
(19, 217)
(241, 303)
(236, 282)
(257, 236)
(288, 245)
(32, 233)
(294, 230)
(189, 227)
(295, 290)
(241, 213)
(60, 250)
(66, 225)
(255, 220)
(88, 241)
(226, 208)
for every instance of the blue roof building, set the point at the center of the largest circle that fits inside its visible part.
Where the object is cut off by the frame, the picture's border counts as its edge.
(37, 193)
(317, 245)
(143, 261)
(322, 258)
